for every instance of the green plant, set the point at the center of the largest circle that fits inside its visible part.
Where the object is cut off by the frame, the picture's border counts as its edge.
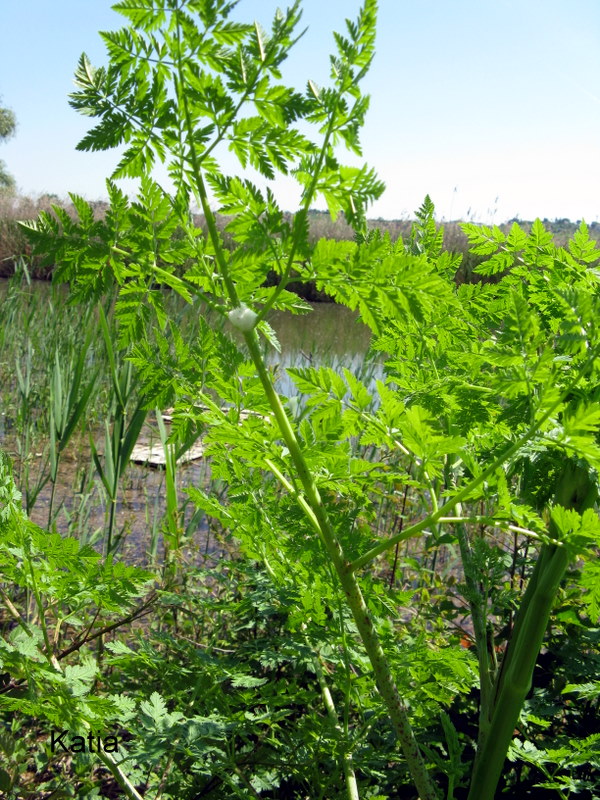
(119, 440)
(67, 404)
(489, 411)
(44, 682)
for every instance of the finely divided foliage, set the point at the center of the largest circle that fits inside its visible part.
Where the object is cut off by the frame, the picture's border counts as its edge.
(489, 411)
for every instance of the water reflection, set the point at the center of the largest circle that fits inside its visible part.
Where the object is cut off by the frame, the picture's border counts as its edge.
(330, 335)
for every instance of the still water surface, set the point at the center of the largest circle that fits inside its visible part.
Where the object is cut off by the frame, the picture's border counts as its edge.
(331, 335)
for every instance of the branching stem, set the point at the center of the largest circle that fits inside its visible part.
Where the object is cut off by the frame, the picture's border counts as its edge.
(470, 487)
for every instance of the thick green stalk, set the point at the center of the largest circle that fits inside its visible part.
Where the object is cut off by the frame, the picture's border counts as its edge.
(516, 635)
(575, 490)
(383, 675)
(517, 680)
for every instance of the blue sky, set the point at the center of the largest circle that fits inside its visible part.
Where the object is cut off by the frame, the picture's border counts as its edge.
(490, 106)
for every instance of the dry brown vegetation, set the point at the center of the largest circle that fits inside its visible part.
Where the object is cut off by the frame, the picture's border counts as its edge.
(13, 243)
(15, 207)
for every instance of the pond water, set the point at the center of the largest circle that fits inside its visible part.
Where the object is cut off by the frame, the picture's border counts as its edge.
(331, 335)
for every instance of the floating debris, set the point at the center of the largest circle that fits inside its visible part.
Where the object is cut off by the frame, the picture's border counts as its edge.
(154, 455)
(243, 414)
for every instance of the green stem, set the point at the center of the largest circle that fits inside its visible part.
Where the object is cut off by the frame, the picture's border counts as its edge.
(42, 615)
(130, 791)
(51, 504)
(14, 612)
(464, 493)
(111, 522)
(351, 785)
(39, 606)
(381, 668)
(199, 183)
(516, 634)
(383, 676)
(517, 680)
(574, 490)
(302, 214)
(477, 607)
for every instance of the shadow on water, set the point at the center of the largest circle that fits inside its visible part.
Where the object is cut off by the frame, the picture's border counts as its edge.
(329, 336)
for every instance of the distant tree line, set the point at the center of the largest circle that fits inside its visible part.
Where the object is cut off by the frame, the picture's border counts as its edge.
(8, 125)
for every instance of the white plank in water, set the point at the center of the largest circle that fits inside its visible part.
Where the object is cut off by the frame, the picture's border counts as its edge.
(154, 455)
(244, 413)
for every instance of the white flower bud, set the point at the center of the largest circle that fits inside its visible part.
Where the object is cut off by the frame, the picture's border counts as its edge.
(242, 318)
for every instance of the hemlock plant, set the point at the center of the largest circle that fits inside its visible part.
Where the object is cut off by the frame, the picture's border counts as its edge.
(489, 409)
